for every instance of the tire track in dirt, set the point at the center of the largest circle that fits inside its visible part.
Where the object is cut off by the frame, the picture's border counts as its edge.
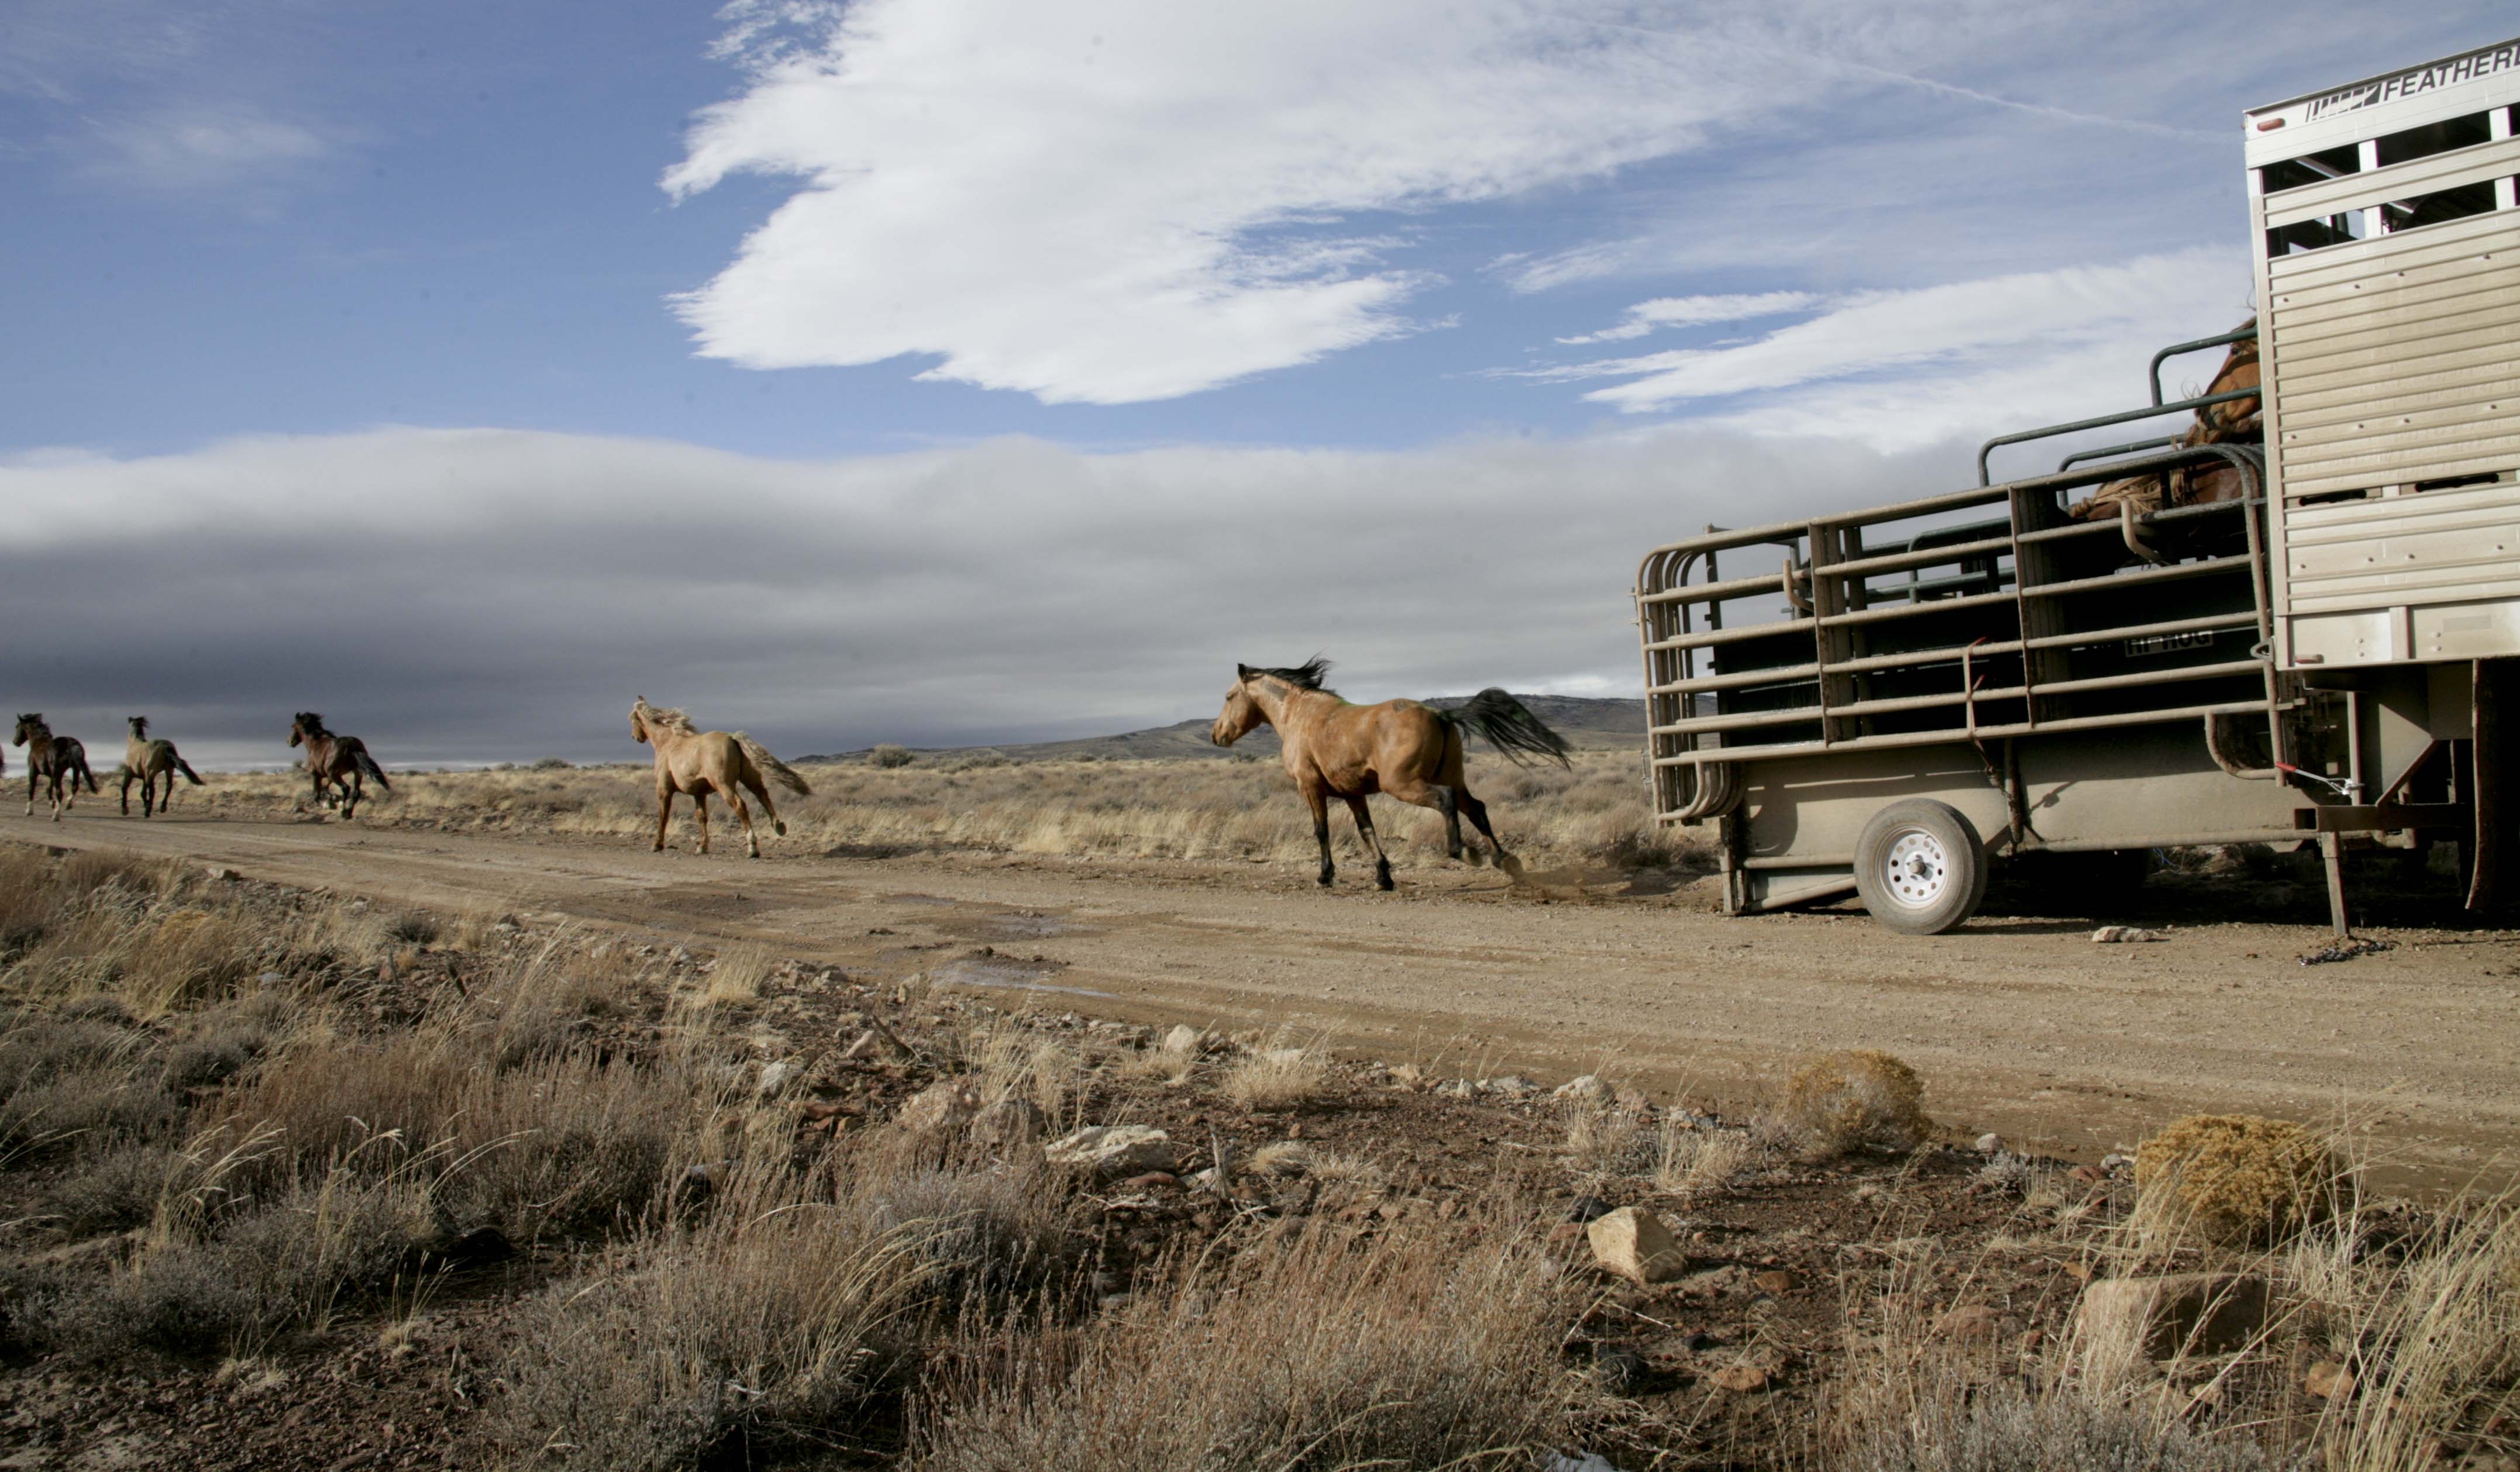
(2019, 1025)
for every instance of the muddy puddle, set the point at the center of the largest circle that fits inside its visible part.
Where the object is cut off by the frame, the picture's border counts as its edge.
(1005, 973)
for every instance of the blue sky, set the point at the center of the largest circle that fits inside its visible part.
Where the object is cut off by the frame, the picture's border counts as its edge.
(271, 256)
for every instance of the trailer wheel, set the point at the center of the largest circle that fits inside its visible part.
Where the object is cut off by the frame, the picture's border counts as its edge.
(1920, 867)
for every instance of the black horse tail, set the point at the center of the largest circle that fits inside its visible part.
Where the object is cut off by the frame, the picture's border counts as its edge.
(78, 754)
(185, 768)
(368, 766)
(1517, 734)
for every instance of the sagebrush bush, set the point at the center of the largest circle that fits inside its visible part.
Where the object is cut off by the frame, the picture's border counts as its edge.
(2235, 1179)
(2005, 1429)
(1854, 1100)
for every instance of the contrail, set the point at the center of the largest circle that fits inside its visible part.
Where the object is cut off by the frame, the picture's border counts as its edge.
(1946, 89)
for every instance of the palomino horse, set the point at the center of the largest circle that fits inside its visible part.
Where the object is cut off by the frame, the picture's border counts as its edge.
(1412, 752)
(338, 764)
(148, 760)
(703, 762)
(51, 757)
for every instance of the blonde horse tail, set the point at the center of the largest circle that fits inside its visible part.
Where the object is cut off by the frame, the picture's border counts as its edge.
(772, 768)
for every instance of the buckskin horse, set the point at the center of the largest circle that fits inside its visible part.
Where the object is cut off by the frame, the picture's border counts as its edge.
(51, 757)
(1410, 750)
(147, 760)
(702, 762)
(338, 764)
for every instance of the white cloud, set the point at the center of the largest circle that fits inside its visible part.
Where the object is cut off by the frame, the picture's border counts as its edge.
(203, 149)
(532, 583)
(1698, 311)
(1109, 201)
(1895, 362)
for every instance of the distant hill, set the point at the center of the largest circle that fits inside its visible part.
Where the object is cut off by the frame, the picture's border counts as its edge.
(1588, 725)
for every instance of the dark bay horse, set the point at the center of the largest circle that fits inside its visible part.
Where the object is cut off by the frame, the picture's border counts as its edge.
(149, 759)
(1410, 750)
(52, 757)
(340, 762)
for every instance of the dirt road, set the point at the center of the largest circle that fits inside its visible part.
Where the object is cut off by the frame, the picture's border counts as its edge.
(2021, 1026)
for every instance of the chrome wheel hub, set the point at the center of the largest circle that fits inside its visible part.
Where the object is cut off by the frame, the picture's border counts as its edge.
(1916, 870)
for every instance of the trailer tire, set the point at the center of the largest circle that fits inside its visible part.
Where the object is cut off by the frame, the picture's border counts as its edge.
(1920, 867)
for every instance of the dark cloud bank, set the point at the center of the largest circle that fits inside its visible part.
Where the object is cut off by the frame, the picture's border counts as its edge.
(481, 596)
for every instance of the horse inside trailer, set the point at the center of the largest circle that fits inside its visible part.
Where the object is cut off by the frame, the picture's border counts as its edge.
(2295, 621)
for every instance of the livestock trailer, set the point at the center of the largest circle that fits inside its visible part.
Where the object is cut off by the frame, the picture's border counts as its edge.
(2296, 621)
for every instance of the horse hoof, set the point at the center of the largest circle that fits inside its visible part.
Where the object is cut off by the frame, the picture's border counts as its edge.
(779, 826)
(1382, 881)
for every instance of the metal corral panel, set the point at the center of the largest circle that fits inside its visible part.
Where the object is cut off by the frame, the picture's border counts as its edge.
(2387, 248)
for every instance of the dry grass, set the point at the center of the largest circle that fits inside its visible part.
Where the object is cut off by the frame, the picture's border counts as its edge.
(250, 1150)
(2409, 1319)
(202, 1085)
(1278, 1075)
(2430, 1332)
(1298, 1353)
(737, 976)
(1700, 1163)
(1596, 814)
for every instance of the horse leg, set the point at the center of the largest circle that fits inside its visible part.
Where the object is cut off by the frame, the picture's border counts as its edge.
(30, 789)
(1364, 815)
(699, 815)
(734, 799)
(1478, 816)
(351, 791)
(1448, 802)
(761, 791)
(126, 792)
(665, 817)
(1321, 806)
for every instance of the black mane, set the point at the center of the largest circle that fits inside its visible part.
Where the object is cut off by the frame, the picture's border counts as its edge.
(1305, 676)
(311, 723)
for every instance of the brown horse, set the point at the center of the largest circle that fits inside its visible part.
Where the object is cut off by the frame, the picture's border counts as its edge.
(338, 764)
(1410, 750)
(51, 757)
(147, 760)
(2237, 422)
(702, 762)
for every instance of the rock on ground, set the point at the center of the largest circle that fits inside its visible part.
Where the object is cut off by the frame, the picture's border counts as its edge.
(1117, 1150)
(1635, 1244)
(939, 1108)
(2125, 1322)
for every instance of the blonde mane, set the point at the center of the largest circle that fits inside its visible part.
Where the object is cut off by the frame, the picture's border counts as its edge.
(672, 717)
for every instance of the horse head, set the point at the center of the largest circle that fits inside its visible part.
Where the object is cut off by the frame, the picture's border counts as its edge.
(305, 727)
(639, 720)
(1240, 712)
(27, 726)
(139, 726)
